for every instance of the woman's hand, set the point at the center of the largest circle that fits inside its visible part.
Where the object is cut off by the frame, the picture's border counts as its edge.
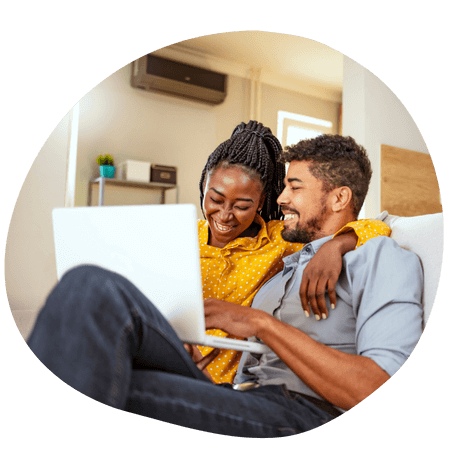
(240, 321)
(200, 360)
(321, 274)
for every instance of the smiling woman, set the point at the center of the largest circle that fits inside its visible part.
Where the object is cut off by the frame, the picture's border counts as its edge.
(232, 199)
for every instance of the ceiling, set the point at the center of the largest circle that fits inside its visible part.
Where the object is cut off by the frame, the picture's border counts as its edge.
(291, 56)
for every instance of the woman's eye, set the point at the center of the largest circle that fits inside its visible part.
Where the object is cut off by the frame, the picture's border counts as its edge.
(242, 208)
(214, 200)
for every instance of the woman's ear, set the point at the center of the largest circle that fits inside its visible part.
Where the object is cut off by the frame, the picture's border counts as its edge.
(261, 201)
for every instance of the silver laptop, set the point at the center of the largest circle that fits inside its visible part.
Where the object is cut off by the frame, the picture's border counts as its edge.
(156, 248)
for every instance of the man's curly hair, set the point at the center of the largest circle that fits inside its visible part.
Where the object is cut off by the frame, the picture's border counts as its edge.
(336, 161)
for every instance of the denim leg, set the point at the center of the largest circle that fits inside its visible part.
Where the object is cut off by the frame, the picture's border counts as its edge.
(96, 328)
(268, 411)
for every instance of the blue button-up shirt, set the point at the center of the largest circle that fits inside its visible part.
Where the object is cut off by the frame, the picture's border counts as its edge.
(378, 314)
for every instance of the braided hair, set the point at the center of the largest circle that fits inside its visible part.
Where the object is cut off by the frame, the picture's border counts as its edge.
(253, 147)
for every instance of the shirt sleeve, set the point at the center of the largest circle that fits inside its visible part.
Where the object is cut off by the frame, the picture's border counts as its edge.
(387, 285)
(366, 229)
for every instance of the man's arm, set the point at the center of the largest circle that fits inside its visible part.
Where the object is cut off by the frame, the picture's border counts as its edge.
(340, 378)
(322, 272)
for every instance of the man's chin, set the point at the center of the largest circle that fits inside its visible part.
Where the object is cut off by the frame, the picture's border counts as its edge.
(296, 235)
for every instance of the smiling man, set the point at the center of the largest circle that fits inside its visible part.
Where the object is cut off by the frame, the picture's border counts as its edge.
(309, 198)
(337, 362)
(331, 163)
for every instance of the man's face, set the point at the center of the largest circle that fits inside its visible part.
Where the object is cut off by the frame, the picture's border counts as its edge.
(304, 204)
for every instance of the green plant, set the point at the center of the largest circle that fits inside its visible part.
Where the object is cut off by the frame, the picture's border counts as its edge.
(106, 160)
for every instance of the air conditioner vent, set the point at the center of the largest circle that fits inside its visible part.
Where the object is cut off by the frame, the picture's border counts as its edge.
(157, 74)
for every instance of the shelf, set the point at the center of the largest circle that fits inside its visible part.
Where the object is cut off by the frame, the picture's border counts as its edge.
(102, 182)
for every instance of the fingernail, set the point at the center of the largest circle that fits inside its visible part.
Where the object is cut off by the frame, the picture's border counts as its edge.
(317, 316)
(333, 306)
(306, 313)
(324, 316)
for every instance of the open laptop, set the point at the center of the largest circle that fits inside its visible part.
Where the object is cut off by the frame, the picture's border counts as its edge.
(156, 248)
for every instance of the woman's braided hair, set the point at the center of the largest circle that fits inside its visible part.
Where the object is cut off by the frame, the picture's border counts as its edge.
(253, 148)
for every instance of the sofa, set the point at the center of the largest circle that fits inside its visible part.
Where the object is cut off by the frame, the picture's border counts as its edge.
(423, 235)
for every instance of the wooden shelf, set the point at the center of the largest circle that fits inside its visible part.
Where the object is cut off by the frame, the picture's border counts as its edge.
(103, 182)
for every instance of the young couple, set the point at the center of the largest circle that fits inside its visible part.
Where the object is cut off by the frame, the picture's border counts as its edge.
(101, 336)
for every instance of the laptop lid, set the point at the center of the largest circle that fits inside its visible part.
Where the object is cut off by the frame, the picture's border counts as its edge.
(153, 246)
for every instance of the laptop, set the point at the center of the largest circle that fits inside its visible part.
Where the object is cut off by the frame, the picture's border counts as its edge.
(156, 248)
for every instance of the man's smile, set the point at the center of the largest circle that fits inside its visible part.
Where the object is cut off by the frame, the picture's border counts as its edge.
(290, 214)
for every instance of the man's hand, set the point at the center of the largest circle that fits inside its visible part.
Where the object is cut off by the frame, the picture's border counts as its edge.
(322, 273)
(200, 360)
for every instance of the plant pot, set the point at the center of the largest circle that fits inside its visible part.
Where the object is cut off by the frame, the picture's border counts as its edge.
(107, 171)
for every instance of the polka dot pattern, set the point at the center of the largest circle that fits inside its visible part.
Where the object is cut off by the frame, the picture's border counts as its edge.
(236, 272)
(366, 229)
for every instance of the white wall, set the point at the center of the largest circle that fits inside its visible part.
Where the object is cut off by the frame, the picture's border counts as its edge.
(30, 270)
(132, 124)
(373, 115)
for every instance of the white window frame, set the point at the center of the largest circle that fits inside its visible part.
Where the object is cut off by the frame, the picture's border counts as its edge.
(287, 119)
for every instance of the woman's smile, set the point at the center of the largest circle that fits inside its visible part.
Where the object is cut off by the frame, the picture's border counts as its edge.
(222, 228)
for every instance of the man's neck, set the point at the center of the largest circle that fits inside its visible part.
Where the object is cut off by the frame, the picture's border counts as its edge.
(334, 224)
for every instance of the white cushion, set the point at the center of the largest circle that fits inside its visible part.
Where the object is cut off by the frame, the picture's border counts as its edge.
(423, 235)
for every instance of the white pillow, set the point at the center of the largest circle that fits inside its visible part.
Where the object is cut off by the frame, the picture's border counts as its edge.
(423, 235)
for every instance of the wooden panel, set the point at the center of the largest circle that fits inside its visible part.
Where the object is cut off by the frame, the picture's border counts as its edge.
(409, 186)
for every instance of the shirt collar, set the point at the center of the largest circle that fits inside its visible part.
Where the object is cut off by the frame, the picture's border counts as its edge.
(252, 243)
(310, 247)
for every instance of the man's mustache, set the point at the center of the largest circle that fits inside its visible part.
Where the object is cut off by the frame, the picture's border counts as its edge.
(289, 211)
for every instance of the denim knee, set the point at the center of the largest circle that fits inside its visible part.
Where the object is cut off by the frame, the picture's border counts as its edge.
(85, 273)
(86, 287)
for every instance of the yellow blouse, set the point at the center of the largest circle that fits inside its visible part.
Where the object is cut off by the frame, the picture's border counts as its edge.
(236, 272)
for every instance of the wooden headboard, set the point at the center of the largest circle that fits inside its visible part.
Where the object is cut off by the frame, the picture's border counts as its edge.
(409, 185)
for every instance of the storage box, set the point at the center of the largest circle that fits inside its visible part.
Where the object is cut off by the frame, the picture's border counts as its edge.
(163, 174)
(134, 171)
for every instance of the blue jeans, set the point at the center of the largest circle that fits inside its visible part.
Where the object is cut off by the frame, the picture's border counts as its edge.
(103, 337)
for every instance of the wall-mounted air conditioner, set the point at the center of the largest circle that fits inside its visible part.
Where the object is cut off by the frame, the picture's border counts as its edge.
(157, 74)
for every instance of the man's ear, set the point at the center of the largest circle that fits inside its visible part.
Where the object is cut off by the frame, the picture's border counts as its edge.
(341, 198)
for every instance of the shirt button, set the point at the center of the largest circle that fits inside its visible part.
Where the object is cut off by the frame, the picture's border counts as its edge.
(307, 249)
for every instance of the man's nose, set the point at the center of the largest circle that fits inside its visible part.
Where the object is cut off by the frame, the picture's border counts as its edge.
(282, 198)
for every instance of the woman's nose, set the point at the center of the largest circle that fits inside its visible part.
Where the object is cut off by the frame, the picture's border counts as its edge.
(225, 214)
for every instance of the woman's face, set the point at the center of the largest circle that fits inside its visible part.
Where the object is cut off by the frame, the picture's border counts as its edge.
(230, 203)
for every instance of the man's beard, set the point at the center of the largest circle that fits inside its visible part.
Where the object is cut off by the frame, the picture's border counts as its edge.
(309, 232)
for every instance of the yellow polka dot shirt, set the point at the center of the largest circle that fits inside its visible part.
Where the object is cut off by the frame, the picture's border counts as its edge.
(236, 272)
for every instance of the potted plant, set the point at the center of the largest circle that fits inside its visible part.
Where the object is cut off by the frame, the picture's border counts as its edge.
(106, 164)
